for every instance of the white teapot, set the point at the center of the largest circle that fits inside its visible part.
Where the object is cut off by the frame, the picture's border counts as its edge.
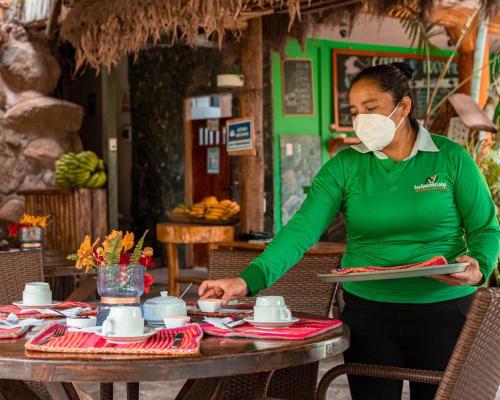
(157, 308)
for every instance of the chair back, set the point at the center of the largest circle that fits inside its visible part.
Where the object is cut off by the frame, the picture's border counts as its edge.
(302, 289)
(473, 371)
(16, 269)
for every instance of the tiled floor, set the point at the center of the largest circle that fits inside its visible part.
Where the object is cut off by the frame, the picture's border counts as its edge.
(168, 390)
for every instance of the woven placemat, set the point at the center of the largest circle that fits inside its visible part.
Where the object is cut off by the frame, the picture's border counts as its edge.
(21, 313)
(86, 342)
(305, 328)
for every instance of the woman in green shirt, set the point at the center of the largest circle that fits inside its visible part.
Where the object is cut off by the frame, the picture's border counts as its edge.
(406, 196)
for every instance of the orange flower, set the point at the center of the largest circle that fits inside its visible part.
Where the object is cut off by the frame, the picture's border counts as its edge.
(32, 220)
(148, 252)
(113, 234)
(27, 219)
(86, 254)
(128, 241)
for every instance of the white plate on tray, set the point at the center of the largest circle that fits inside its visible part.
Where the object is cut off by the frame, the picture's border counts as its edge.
(148, 331)
(269, 324)
(22, 305)
(395, 274)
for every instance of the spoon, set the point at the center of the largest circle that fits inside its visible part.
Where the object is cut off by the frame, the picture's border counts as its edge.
(185, 291)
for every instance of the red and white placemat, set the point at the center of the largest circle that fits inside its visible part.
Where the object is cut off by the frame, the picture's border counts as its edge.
(87, 342)
(305, 328)
(5, 310)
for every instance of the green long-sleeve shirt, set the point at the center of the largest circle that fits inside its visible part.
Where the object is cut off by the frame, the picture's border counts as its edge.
(436, 202)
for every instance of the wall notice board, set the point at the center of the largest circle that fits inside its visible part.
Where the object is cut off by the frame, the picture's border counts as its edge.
(347, 63)
(297, 87)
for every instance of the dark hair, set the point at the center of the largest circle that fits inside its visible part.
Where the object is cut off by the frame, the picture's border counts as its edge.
(395, 79)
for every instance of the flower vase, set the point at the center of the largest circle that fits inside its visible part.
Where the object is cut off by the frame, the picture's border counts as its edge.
(118, 285)
(30, 238)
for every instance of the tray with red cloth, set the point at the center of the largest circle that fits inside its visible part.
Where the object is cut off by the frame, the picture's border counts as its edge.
(305, 328)
(434, 266)
(160, 343)
(21, 313)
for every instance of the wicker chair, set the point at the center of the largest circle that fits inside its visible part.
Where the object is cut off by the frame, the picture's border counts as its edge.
(303, 292)
(473, 371)
(16, 269)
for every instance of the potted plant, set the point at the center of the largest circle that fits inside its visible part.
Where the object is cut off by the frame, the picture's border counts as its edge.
(121, 269)
(29, 231)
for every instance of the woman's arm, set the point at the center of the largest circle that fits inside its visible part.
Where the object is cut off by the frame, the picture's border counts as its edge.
(304, 229)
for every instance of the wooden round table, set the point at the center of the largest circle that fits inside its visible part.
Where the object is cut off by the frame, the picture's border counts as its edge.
(172, 234)
(218, 357)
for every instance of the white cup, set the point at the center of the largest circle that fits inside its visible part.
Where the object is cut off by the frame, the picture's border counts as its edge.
(210, 305)
(37, 294)
(270, 301)
(124, 321)
(271, 314)
(176, 321)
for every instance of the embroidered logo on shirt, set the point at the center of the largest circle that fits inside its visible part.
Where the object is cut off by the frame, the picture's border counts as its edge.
(431, 183)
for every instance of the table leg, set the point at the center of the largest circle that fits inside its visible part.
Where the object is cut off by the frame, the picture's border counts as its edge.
(173, 269)
(107, 391)
(132, 390)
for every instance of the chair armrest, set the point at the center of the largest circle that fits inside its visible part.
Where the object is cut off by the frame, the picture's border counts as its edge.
(377, 371)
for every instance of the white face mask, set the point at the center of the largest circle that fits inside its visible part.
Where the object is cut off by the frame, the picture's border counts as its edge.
(376, 131)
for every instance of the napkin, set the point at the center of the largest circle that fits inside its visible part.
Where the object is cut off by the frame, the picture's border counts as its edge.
(222, 322)
(13, 321)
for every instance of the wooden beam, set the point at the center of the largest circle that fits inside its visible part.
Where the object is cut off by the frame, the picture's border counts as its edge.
(457, 17)
(251, 168)
(55, 9)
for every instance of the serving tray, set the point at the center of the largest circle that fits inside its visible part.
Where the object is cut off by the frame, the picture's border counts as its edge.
(395, 274)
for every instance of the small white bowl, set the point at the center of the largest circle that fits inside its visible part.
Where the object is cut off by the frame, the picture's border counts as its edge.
(176, 321)
(81, 322)
(210, 305)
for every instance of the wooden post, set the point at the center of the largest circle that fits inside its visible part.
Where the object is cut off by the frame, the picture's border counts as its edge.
(251, 101)
(110, 130)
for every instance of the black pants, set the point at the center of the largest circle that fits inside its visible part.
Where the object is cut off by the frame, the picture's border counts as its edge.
(402, 335)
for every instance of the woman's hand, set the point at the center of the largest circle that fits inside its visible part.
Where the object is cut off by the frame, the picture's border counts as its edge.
(470, 276)
(227, 289)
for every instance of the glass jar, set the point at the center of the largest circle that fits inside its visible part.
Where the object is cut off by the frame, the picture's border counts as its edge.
(118, 285)
(30, 238)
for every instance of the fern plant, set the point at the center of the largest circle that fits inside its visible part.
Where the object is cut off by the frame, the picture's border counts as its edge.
(138, 249)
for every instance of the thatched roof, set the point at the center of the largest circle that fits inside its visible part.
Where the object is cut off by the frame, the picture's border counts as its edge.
(104, 31)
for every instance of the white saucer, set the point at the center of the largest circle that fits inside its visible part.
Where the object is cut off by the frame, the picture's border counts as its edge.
(156, 324)
(270, 324)
(22, 305)
(148, 331)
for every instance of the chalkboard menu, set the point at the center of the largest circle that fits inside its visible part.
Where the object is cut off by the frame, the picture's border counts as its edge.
(347, 63)
(297, 87)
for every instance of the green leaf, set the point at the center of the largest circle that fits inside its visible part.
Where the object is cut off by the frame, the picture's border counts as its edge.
(112, 256)
(138, 249)
(72, 257)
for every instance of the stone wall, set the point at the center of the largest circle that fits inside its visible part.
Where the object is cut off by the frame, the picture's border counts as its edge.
(35, 129)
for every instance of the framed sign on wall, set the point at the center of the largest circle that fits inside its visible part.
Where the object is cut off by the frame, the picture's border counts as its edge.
(241, 137)
(297, 87)
(348, 63)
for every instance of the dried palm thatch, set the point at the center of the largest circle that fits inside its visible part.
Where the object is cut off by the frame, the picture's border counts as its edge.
(104, 31)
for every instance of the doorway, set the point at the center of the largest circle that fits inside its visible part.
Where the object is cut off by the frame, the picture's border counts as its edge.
(207, 163)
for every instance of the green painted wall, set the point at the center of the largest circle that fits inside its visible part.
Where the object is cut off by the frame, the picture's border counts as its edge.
(320, 53)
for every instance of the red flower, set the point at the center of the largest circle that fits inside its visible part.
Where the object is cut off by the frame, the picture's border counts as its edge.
(148, 282)
(146, 261)
(12, 230)
(125, 258)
